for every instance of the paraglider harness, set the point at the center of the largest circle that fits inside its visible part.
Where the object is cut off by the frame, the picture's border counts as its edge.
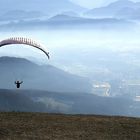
(18, 83)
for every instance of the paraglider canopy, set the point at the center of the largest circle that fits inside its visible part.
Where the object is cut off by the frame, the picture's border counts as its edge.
(22, 40)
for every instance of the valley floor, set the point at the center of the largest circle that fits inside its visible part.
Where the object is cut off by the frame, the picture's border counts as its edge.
(43, 126)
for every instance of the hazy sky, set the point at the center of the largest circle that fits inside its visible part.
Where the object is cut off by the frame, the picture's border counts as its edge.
(95, 3)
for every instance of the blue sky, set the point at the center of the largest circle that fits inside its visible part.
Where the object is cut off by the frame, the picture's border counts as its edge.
(95, 3)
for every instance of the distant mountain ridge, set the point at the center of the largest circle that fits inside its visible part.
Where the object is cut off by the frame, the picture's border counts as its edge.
(21, 15)
(62, 21)
(63, 102)
(45, 77)
(48, 7)
(44, 9)
(66, 102)
(114, 8)
(65, 14)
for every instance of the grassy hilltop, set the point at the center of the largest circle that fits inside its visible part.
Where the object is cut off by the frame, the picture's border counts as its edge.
(24, 126)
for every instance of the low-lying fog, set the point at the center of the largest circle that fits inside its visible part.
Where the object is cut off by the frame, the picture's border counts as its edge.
(79, 51)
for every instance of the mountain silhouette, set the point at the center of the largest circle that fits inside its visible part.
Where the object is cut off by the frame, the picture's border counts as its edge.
(35, 76)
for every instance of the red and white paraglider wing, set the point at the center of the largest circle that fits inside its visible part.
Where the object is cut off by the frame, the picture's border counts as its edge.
(26, 41)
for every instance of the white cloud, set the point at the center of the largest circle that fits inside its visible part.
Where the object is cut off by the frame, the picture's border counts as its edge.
(88, 3)
(95, 3)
